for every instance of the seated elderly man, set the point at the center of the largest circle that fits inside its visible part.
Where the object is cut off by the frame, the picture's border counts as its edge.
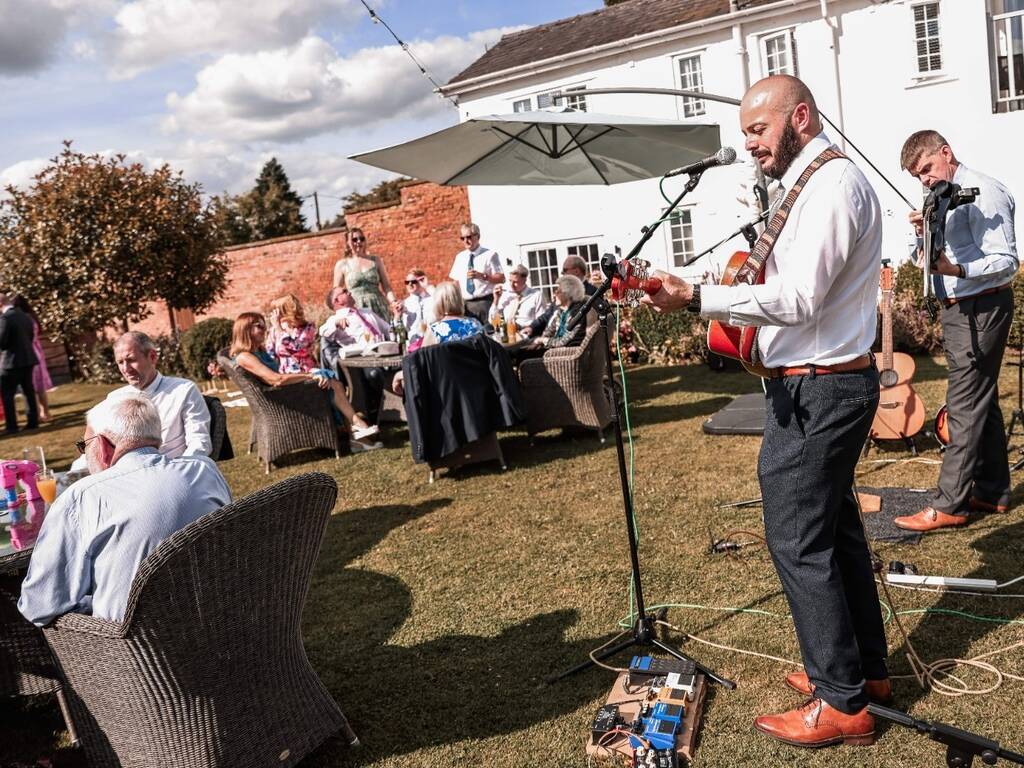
(101, 528)
(520, 304)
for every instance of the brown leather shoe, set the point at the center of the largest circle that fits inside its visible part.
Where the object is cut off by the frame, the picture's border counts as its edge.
(816, 724)
(878, 691)
(928, 519)
(984, 506)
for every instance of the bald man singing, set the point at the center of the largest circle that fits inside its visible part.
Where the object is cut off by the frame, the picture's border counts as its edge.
(816, 317)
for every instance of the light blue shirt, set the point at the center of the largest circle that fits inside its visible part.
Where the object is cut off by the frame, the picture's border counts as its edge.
(980, 237)
(99, 531)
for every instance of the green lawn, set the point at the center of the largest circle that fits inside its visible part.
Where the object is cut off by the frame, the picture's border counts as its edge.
(436, 610)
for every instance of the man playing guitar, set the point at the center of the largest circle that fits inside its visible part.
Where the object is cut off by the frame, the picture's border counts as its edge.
(816, 316)
(972, 281)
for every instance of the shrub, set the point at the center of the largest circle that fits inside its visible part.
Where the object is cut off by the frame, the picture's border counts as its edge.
(100, 367)
(913, 330)
(169, 359)
(1017, 327)
(201, 343)
(669, 339)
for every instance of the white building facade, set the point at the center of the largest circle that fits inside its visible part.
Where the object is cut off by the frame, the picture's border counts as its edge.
(879, 70)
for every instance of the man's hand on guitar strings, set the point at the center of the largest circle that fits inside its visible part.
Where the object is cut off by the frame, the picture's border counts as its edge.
(675, 293)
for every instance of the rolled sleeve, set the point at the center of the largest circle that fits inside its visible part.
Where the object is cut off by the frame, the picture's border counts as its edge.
(195, 417)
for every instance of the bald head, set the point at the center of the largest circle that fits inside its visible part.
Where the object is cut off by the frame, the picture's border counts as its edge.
(778, 117)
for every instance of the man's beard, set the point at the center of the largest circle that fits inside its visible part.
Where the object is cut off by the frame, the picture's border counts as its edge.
(789, 147)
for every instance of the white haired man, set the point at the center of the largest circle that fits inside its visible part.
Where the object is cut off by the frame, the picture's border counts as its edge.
(101, 528)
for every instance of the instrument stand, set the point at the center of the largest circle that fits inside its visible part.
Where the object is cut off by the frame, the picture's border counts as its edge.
(961, 746)
(644, 632)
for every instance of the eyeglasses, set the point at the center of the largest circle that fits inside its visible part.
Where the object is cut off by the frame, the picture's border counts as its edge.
(468, 237)
(80, 444)
(358, 239)
(412, 282)
(262, 326)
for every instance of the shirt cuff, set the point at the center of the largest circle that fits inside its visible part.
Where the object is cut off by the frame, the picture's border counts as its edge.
(716, 302)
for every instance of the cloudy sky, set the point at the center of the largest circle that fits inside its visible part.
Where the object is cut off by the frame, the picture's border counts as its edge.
(216, 87)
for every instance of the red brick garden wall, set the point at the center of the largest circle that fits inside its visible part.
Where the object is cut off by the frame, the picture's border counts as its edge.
(420, 231)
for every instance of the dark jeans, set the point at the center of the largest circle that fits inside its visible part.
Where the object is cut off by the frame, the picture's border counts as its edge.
(975, 462)
(10, 380)
(815, 429)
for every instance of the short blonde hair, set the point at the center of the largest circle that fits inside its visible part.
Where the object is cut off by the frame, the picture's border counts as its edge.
(448, 300)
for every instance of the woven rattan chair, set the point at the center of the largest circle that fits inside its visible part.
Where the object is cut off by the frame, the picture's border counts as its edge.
(208, 669)
(284, 419)
(565, 387)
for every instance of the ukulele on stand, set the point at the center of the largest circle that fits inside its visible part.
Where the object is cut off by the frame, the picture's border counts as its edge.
(901, 413)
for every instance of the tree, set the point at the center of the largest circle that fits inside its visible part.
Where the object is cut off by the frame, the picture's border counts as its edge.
(270, 209)
(95, 238)
(385, 192)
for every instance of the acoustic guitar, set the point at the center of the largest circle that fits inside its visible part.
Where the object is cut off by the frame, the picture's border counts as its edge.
(729, 340)
(901, 412)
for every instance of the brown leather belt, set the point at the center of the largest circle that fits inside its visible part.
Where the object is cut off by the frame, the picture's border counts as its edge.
(986, 292)
(857, 364)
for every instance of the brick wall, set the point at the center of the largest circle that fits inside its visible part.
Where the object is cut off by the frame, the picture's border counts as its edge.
(420, 231)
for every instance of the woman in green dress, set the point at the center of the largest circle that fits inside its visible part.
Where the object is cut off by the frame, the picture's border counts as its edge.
(364, 276)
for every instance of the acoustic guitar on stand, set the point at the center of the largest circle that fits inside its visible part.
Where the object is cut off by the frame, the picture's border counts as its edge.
(901, 412)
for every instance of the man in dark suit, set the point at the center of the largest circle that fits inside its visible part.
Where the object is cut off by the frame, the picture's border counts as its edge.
(17, 358)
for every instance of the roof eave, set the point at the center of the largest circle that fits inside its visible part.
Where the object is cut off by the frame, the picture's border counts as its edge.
(462, 87)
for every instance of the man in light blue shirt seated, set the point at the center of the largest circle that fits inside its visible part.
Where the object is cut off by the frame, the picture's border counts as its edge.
(99, 530)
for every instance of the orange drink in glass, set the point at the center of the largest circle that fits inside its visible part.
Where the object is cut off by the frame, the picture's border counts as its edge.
(47, 485)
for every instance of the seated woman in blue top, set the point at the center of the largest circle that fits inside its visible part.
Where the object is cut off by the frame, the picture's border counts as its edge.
(248, 339)
(452, 323)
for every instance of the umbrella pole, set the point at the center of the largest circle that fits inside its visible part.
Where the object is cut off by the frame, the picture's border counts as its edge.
(644, 632)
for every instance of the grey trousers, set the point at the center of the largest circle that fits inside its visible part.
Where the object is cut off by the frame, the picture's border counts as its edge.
(814, 432)
(975, 462)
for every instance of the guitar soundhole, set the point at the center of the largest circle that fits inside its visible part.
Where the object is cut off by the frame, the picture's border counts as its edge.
(888, 378)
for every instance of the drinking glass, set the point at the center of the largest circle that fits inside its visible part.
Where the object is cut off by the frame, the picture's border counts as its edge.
(47, 485)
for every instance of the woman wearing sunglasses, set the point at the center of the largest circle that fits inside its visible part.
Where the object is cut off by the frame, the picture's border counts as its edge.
(364, 276)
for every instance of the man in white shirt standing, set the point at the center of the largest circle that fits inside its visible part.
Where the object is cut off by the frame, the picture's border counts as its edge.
(816, 314)
(476, 271)
(520, 304)
(183, 413)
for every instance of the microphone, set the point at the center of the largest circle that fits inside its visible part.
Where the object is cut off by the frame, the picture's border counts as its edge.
(724, 156)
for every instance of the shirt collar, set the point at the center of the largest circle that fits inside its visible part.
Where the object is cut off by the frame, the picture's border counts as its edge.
(958, 175)
(135, 457)
(154, 385)
(814, 147)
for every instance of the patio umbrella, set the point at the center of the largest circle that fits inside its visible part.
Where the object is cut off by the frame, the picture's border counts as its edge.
(549, 147)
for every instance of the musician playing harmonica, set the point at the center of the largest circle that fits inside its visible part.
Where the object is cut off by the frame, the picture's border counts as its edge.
(972, 283)
(816, 313)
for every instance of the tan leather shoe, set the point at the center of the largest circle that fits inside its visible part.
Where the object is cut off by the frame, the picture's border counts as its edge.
(816, 724)
(984, 506)
(928, 519)
(878, 691)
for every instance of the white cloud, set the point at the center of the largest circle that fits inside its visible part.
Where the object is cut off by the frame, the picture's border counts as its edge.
(31, 32)
(21, 174)
(308, 89)
(150, 32)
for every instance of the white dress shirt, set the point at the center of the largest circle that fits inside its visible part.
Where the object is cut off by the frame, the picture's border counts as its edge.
(418, 313)
(818, 301)
(483, 260)
(358, 322)
(184, 417)
(101, 528)
(521, 308)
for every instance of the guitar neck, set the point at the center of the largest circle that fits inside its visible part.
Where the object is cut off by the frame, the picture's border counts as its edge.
(886, 330)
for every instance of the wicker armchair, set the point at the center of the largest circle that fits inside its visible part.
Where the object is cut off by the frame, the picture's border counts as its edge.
(284, 419)
(208, 669)
(565, 387)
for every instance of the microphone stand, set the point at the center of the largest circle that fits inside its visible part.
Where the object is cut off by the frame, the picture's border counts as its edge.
(961, 746)
(747, 230)
(644, 631)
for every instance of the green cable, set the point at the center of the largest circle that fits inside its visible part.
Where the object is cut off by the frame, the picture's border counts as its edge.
(962, 615)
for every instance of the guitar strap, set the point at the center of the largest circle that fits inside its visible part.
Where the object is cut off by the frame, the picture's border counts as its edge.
(766, 242)
(754, 265)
